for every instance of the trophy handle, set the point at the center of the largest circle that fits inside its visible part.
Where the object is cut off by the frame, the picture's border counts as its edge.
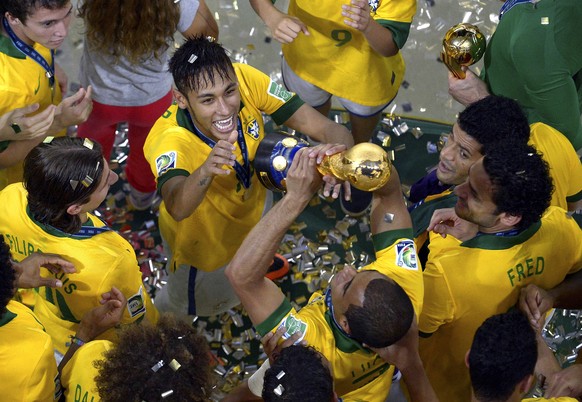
(453, 66)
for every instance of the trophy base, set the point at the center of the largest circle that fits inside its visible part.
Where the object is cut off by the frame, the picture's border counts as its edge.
(274, 157)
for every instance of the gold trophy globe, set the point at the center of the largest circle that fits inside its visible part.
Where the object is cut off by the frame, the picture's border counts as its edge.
(463, 45)
(366, 166)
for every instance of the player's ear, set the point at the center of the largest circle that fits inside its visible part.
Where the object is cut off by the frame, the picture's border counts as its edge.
(343, 322)
(509, 219)
(181, 99)
(74, 209)
(467, 358)
(526, 384)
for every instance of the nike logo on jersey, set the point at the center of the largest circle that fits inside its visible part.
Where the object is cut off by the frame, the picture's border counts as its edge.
(38, 86)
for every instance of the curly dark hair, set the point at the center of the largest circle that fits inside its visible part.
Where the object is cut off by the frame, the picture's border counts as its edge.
(305, 377)
(211, 60)
(7, 276)
(493, 120)
(384, 318)
(48, 171)
(521, 180)
(503, 353)
(135, 29)
(22, 9)
(126, 373)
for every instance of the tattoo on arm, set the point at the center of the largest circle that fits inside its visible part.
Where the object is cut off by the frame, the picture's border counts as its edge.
(204, 182)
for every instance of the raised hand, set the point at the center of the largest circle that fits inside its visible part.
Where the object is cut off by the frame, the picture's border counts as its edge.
(28, 270)
(357, 14)
(446, 222)
(17, 125)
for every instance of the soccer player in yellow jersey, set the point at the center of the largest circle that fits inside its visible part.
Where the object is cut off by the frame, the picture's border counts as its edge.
(29, 369)
(31, 31)
(201, 152)
(65, 179)
(348, 49)
(505, 237)
(373, 307)
(502, 359)
(326, 45)
(481, 127)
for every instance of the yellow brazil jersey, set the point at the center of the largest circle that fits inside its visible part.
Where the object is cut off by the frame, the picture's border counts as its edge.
(560, 399)
(22, 82)
(467, 283)
(209, 237)
(78, 375)
(102, 261)
(359, 374)
(29, 370)
(565, 166)
(556, 150)
(338, 58)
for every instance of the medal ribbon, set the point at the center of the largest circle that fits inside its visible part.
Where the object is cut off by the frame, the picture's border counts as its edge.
(509, 4)
(507, 233)
(27, 50)
(86, 231)
(243, 172)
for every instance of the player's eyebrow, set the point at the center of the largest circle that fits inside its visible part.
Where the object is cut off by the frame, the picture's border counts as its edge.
(348, 285)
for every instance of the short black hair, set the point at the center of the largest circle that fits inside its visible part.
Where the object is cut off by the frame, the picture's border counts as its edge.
(503, 353)
(521, 180)
(7, 276)
(197, 62)
(22, 9)
(493, 120)
(298, 374)
(384, 318)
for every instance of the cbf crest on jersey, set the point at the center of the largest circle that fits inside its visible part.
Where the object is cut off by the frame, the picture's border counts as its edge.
(374, 4)
(406, 255)
(253, 129)
(165, 162)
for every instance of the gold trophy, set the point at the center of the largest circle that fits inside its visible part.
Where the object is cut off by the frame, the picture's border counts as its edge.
(463, 45)
(366, 166)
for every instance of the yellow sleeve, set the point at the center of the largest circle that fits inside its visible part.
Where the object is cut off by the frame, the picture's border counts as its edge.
(439, 306)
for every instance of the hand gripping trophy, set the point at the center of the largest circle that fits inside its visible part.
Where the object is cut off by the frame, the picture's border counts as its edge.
(463, 45)
(366, 166)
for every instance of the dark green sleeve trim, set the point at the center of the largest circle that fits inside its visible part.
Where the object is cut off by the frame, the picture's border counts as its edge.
(4, 145)
(169, 175)
(287, 110)
(422, 214)
(6, 317)
(400, 31)
(575, 197)
(386, 239)
(275, 318)
(424, 334)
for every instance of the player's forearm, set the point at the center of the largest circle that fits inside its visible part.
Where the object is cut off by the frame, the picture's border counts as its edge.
(265, 10)
(183, 198)
(417, 383)
(309, 121)
(380, 39)
(254, 256)
(546, 364)
(16, 152)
